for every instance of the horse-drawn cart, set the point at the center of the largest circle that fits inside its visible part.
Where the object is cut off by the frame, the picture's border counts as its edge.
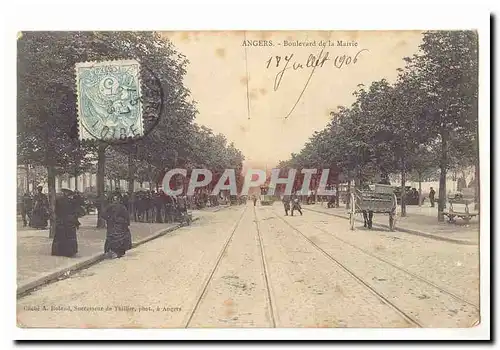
(382, 201)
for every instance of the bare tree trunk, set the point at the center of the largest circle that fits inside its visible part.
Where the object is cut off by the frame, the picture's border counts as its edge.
(101, 157)
(476, 185)
(419, 189)
(442, 176)
(84, 181)
(27, 166)
(403, 188)
(357, 179)
(51, 184)
(131, 182)
(150, 175)
(348, 201)
(76, 181)
(337, 191)
(59, 182)
(90, 180)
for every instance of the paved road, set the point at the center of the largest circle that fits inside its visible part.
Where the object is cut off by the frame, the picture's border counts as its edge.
(253, 267)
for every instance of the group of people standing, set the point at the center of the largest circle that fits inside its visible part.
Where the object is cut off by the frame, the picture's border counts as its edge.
(35, 209)
(35, 212)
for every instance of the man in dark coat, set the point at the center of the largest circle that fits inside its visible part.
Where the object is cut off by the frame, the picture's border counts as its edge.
(296, 205)
(286, 204)
(40, 214)
(118, 236)
(65, 241)
(158, 206)
(432, 194)
(125, 201)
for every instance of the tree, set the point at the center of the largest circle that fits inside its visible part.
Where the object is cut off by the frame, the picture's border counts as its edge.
(116, 164)
(431, 109)
(423, 164)
(47, 101)
(446, 68)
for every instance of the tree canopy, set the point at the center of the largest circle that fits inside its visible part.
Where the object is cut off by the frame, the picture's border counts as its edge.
(426, 119)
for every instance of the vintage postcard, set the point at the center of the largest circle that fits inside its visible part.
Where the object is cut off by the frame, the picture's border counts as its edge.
(248, 179)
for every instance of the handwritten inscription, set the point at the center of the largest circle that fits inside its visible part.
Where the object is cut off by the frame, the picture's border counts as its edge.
(288, 62)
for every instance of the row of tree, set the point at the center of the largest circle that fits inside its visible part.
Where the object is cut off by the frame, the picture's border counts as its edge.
(426, 119)
(47, 111)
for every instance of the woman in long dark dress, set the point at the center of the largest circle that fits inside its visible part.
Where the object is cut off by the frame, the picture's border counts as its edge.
(65, 241)
(118, 237)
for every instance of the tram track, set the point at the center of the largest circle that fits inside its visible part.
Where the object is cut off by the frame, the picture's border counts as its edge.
(402, 313)
(214, 269)
(400, 310)
(420, 278)
(265, 270)
(218, 273)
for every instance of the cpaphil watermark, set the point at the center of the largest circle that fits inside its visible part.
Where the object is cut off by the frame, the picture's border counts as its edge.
(227, 181)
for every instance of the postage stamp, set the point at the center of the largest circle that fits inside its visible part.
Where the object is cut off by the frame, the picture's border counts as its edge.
(109, 100)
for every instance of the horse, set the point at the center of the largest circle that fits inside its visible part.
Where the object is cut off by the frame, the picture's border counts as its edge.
(368, 218)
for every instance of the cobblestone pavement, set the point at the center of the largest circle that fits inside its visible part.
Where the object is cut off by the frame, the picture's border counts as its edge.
(254, 267)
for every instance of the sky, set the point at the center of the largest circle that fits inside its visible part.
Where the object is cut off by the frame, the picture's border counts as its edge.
(268, 121)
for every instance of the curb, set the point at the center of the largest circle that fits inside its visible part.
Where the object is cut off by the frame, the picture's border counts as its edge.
(55, 274)
(406, 230)
(156, 235)
(92, 260)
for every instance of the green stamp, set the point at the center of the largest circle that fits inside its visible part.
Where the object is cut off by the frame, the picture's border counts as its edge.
(109, 100)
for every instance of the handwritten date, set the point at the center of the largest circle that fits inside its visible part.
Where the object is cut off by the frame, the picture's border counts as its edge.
(313, 61)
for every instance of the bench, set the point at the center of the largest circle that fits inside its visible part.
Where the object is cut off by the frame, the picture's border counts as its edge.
(452, 214)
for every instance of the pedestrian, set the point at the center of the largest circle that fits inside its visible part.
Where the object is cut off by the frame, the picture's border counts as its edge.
(65, 242)
(118, 236)
(296, 206)
(254, 200)
(40, 214)
(79, 204)
(125, 201)
(432, 194)
(286, 204)
(26, 208)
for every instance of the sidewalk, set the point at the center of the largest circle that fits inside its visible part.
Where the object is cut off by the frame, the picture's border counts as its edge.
(419, 220)
(36, 265)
